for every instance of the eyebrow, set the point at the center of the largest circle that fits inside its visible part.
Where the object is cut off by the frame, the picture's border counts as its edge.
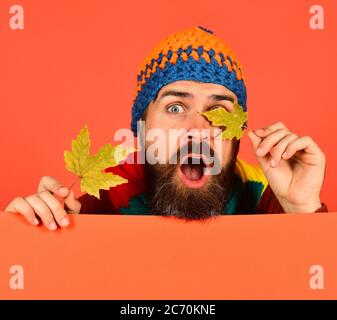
(221, 97)
(182, 94)
(174, 93)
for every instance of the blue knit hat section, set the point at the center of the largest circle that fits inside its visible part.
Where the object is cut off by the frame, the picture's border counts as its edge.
(186, 70)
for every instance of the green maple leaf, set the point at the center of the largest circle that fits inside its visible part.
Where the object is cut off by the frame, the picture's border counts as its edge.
(89, 168)
(233, 121)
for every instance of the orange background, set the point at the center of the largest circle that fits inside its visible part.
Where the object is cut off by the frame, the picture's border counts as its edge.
(75, 63)
(142, 257)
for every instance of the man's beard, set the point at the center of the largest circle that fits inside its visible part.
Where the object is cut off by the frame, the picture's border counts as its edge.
(168, 196)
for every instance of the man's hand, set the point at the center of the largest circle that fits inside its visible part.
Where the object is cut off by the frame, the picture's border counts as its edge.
(45, 205)
(293, 165)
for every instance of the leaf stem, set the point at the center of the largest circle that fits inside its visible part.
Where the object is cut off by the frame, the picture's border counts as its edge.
(74, 183)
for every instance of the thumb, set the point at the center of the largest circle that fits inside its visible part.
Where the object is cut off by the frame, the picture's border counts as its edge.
(254, 139)
(71, 203)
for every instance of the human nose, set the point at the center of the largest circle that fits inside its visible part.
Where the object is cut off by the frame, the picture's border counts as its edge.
(198, 128)
(196, 121)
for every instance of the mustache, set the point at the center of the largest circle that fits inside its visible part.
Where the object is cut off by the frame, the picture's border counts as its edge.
(171, 198)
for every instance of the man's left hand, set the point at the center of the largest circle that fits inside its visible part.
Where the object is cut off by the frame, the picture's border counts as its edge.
(293, 165)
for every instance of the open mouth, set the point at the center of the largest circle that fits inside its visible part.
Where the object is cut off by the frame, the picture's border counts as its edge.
(191, 171)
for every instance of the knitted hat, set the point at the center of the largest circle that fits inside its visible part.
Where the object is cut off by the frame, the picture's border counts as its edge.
(192, 54)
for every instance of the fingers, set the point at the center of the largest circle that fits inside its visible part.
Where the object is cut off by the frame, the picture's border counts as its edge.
(304, 143)
(42, 210)
(255, 140)
(19, 205)
(72, 204)
(277, 142)
(278, 151)
(270, 129)
(57, 210)
(51, 184)
(45, 204)
(270, 141)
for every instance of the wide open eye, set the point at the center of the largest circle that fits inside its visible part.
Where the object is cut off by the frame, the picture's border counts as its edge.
(175, 108)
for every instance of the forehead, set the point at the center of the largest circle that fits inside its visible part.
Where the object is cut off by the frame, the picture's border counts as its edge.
(197, 88)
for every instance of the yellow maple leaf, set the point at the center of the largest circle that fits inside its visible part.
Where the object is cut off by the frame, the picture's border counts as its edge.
(89, 168)
(233, 121)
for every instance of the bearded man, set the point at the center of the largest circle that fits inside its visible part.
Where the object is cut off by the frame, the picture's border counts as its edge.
(185, 75)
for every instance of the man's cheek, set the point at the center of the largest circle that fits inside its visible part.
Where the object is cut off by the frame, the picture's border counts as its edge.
(213, 169)
(174, 141)
(157, 150)
(213, 150)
